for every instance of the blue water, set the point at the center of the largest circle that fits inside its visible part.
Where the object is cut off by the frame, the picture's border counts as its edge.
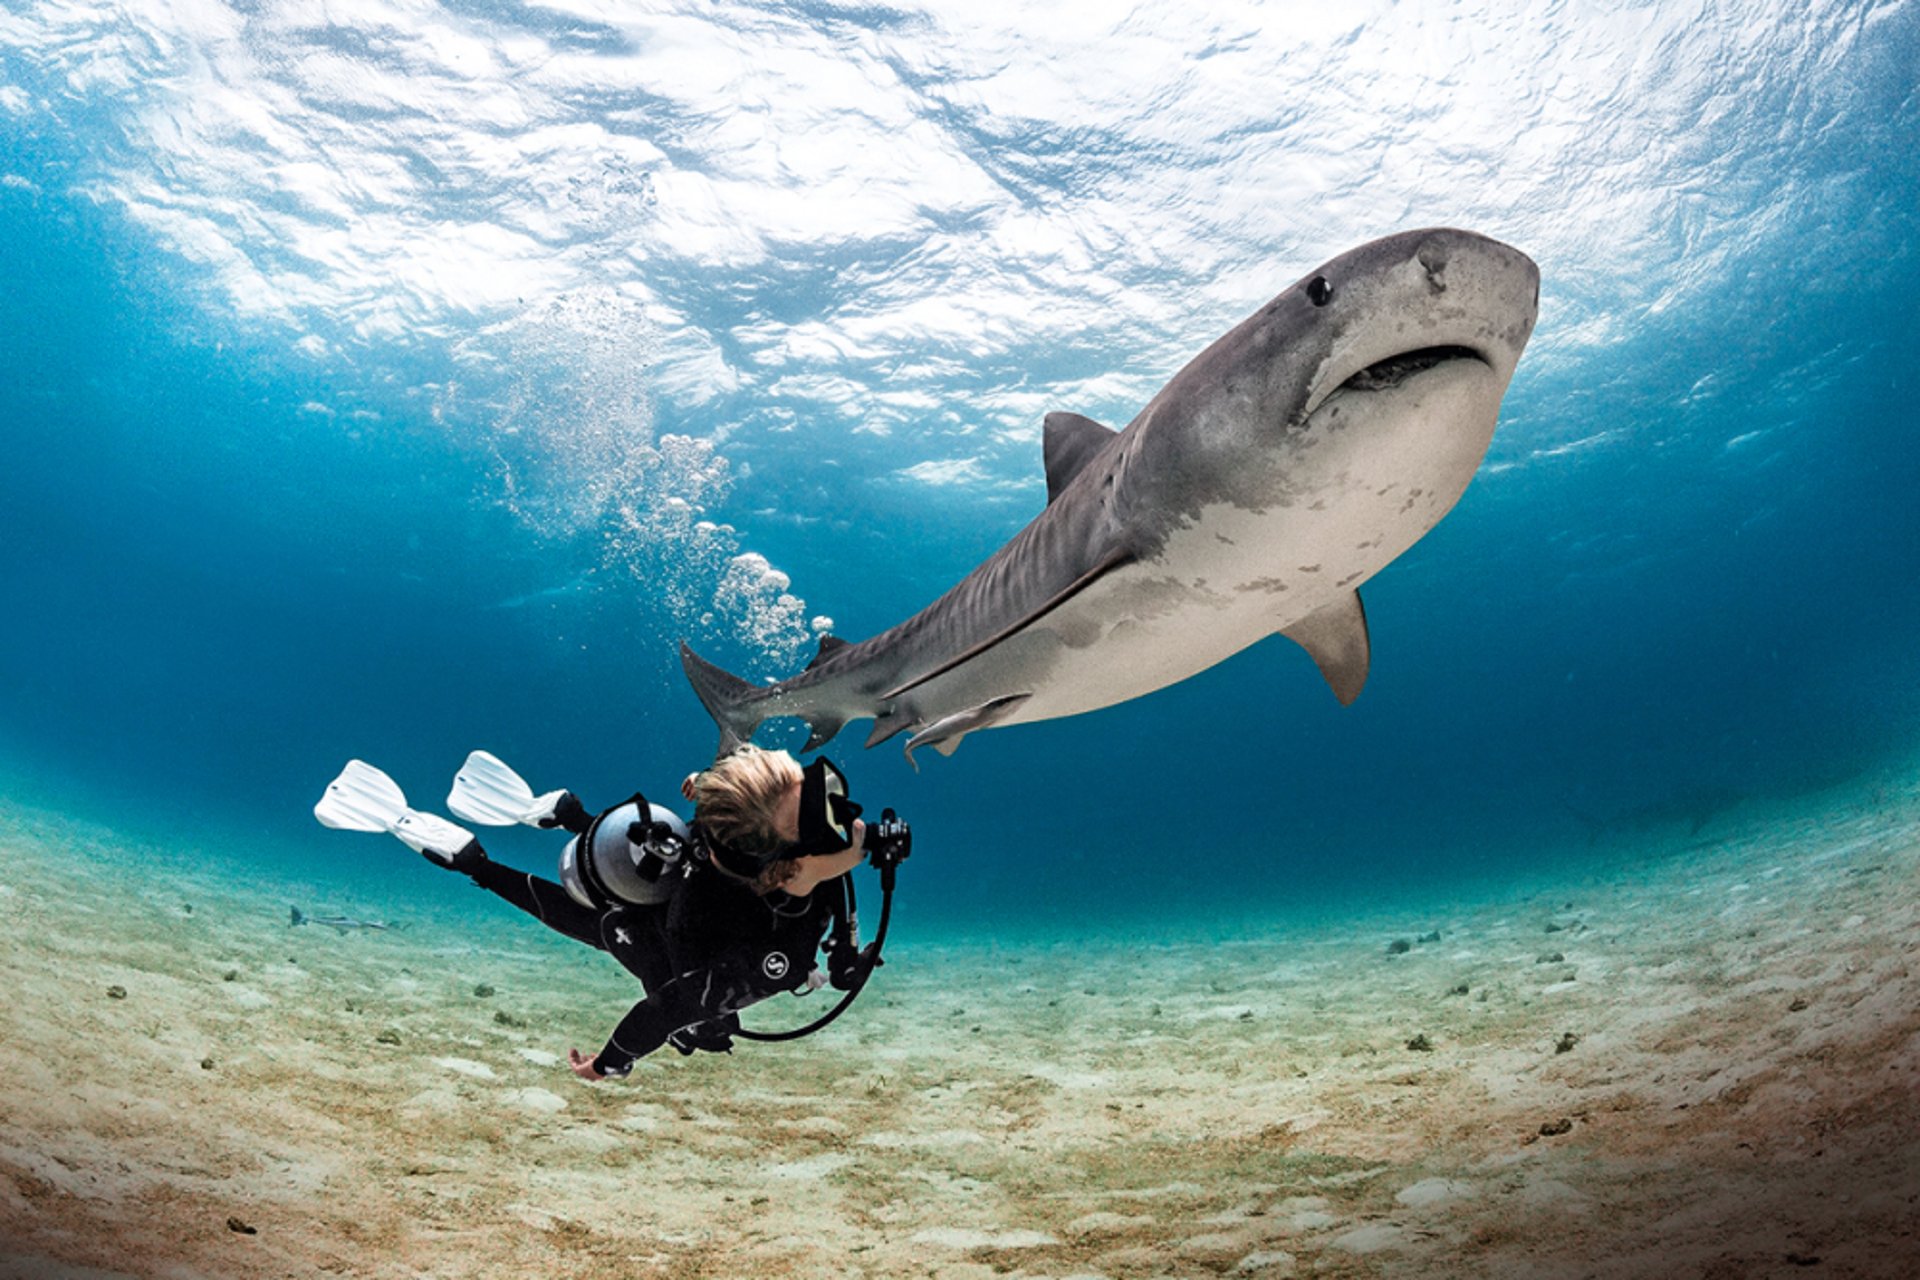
(413, 386)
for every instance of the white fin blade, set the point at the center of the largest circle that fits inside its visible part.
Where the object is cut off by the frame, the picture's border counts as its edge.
(486, 791)
(362, 798)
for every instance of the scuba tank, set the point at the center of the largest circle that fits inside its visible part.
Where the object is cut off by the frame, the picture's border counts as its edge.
(634, 853)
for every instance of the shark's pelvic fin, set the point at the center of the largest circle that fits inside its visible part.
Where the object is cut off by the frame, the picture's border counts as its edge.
(885, 726)
(944, 734)
(1068, 440)
(1335, 637)
(1115, 559)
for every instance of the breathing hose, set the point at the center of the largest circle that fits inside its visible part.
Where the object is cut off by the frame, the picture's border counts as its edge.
(887, 870)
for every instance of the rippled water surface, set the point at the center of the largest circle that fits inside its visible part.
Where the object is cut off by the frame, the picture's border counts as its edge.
(390, 379)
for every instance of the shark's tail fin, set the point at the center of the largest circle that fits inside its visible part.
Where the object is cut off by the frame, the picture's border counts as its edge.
(725, 697)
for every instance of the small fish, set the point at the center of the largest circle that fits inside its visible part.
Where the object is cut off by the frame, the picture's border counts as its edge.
(342, 923)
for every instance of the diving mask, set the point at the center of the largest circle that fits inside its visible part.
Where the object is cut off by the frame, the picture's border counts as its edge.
(826, 812)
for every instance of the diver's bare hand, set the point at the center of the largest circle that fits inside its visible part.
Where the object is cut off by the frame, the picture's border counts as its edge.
(813, 871)
(582, 1064)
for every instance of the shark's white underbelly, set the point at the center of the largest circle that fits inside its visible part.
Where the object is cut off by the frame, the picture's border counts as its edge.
(1236, 576)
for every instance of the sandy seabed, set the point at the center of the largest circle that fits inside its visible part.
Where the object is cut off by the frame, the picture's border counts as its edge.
(1703, 1063)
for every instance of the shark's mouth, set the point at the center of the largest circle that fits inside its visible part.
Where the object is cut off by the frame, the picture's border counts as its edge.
(1384, 375)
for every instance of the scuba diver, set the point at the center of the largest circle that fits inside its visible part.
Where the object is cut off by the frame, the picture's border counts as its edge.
(711, 917)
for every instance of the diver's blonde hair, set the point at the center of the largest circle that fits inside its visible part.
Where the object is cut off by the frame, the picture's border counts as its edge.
(737, 800)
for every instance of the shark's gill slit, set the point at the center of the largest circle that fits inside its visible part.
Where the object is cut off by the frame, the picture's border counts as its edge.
(1397, 369)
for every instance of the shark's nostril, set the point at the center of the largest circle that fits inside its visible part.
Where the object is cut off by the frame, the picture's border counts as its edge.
(1432, 256)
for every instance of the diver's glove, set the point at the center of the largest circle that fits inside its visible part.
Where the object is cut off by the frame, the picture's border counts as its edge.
(843, 967)
(849, 970)
(714, 1035)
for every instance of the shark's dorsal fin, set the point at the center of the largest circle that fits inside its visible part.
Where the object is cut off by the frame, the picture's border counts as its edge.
(829, 644)
(1335, 636)
(1067, 441)
(1115, 559)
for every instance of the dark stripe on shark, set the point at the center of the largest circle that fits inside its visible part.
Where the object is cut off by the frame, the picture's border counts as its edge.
(1116, 560)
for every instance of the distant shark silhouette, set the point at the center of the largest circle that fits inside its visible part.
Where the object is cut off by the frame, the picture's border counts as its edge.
(1286, 464)
(1692, 808)
(340, 924)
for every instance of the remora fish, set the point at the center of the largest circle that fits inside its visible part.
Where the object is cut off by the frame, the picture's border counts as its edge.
(341, 923)
(1285, 465)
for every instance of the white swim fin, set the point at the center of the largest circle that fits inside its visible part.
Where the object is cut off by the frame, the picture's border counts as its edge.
(363, 798)
(486, 791)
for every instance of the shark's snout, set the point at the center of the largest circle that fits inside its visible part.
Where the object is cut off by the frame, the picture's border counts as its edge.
(1431, 326)
(1437, 296)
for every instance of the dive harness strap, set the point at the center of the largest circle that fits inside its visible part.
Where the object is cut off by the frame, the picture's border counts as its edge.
(871, 963)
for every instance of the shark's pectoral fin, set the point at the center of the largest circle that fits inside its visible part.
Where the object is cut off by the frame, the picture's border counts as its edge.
(1067, 441)
(890, 723)
(1336, 638)
(944, 734)
(823, 728)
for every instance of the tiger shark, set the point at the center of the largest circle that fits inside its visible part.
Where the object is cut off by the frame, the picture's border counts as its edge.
(1281, 468)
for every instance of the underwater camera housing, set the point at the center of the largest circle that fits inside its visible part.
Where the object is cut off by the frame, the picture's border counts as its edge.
(889, 842)
(633, 854)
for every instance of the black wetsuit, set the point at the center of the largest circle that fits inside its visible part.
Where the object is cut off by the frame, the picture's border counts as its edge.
(713, 949)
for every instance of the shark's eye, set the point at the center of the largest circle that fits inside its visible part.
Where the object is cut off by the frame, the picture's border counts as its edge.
(1319, 291)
